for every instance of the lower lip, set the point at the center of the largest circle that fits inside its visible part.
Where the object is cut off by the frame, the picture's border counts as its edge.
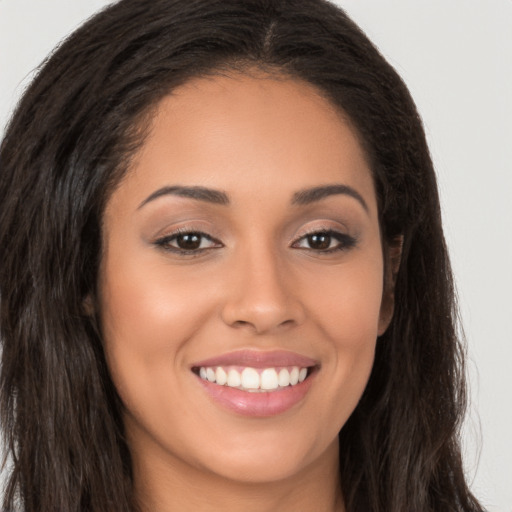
(258, 404)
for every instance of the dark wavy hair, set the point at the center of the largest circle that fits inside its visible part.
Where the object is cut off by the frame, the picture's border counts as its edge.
(67, 146)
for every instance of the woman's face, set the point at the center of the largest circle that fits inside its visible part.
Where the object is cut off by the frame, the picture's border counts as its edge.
(242, 253)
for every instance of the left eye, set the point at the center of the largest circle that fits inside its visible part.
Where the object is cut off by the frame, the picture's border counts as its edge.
(325, 241)
(187, 242)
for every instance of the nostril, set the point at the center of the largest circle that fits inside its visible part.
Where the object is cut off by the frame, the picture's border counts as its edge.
(260, 326)
(262, 313)
(240, 323)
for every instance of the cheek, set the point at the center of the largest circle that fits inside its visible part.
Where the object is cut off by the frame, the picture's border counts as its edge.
(347, 303)
(149, 318)
(145, 304)
(148, 315)
(348, 311)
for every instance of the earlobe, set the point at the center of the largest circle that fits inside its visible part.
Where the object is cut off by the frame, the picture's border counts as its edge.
(392, 265)
(88, 307)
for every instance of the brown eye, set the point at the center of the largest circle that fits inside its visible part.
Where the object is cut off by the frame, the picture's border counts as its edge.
(325, 242)
(319, 241)
(189, 241)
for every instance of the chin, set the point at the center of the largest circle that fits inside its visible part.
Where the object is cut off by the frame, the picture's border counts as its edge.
(267, 460)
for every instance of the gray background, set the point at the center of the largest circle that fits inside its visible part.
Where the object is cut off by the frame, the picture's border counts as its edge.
(456, 57)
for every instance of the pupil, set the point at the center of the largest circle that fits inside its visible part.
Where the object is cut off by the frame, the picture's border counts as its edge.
(319, 241)
(189, 241)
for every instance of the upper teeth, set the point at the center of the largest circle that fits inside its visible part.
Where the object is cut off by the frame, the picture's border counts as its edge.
(252, 379)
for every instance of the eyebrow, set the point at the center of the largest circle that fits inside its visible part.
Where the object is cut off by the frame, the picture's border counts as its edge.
(311, 195)
(300, 198)
(199, 193)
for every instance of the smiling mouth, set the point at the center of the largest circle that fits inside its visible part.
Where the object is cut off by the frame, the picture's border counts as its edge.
(255, 383)
(254, 380)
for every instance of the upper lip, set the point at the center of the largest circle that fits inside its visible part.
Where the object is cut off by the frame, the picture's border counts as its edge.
(258, 359)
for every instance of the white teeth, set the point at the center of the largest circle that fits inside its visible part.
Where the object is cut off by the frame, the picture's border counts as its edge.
(269, 379)
(284, 377)
(294, 376)
(221, 376)
(234, 380)
(251, 379)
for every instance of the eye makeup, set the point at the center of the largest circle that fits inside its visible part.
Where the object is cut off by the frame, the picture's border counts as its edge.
(187, 242)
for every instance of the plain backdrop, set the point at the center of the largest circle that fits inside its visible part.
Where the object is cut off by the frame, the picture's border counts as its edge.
(456, 57)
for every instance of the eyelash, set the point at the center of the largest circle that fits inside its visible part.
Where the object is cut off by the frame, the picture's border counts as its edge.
(345, 242)
(166, 240)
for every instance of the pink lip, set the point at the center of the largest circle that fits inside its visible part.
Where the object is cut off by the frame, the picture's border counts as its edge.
(258, 359)
(258, 404)
(262, 404)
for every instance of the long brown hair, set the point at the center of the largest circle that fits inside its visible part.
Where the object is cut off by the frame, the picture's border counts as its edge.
(69, 143)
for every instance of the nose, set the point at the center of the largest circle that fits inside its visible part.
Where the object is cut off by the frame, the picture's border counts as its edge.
(261, 294)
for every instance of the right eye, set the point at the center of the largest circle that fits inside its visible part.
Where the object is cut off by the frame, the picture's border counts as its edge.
(325, 241)
(187, 242)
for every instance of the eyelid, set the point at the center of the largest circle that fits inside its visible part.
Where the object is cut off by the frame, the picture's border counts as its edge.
(175, 227)
(321, 228)
(345, 240)
(163, 241)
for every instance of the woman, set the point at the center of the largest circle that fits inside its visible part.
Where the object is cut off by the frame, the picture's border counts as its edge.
(224, 280)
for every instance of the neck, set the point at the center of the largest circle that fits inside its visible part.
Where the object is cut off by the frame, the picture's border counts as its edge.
(172, 486)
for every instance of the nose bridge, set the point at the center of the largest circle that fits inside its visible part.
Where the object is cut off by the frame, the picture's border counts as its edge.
(259, 292)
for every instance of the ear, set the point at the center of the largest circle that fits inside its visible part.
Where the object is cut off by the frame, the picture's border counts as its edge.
(88, 305)
(392, 258)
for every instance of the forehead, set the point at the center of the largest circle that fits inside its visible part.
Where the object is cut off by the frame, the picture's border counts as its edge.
(249, 134)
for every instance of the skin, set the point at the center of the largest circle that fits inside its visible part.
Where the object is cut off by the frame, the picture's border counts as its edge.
(257, 283)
